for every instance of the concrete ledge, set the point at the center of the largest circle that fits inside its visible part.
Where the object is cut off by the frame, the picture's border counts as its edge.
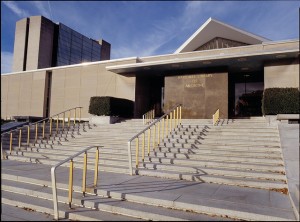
(103, 119)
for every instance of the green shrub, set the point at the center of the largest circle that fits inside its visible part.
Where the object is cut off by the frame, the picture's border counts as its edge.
(280, 101)
(110, 106)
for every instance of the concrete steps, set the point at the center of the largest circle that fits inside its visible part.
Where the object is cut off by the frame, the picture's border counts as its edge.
(126, 200)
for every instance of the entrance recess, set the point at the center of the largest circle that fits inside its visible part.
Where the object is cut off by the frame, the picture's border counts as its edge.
(246, 90)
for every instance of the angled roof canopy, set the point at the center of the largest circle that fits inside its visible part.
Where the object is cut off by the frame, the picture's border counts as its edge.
(212, 29)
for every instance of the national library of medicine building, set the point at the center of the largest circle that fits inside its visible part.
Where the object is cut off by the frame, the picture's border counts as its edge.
(56, 68)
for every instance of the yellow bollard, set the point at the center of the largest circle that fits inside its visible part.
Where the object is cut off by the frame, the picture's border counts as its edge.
(20, 136)
(70, 183)
(96, 167)
(137, 152)
(84, 173)
(143, 147)
(10, 143)
(28, 135)
(149, 136)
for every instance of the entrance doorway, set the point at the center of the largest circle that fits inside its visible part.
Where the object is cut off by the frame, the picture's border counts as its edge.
(246, 90)
(149, 94)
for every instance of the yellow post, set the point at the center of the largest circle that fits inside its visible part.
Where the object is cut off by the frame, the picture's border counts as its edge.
(84, 173)
(137, 152)
(96, 167)
(43, 129)
(158, 133)
(70, 183)
(163, 128)
(10, 143)
(149, 136)
(180, 114)
(177, 109)
(36, 131)
(171, 121)
(74, 116)
(167, 120)
(154, 134)
(20, 136)
(28, 135)
(79, 114)
(57, 124)
(143, 147)
(63, 121)
(69, 118)
(50, 126)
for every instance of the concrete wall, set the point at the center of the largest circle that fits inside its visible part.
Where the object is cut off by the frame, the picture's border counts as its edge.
(284, 73)
(22, 94)
(75, 86)
(19, 45)
(200, 94)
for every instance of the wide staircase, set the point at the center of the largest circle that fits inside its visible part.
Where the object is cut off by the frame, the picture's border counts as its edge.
(235, 153)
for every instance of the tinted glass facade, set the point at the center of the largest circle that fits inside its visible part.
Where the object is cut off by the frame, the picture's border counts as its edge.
(74, 48)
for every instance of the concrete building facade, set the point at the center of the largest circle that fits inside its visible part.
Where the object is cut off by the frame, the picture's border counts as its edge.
(210, 71)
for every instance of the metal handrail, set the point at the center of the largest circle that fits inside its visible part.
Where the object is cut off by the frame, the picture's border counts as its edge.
(176, 119)
(148, 116)
(70, 191)
(36, 127)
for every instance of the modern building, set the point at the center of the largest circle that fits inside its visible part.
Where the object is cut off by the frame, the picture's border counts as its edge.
(40, 43)
(211, 70)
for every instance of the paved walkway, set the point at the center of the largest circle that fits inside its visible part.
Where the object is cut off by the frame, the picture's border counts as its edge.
(289, 136)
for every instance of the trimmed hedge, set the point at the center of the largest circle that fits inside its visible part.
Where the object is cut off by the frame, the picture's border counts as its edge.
(280, 101)
(111, 106)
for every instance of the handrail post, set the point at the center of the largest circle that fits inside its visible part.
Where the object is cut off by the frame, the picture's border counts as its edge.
(180, 115)
(57, 124)
(163, 128)
(96, 167)
(177, 109)
(158, 133)
(71, 183)
(63, 123)
(137, 152)
(54, 192)
(167, 121)
(84, 173)
(154, 135)
(28, 135)
(80, 114)
(50, 126)
(36, 131)
(171, 117)
(129, 157)
(10, 143)
(149, 136)
(43, 129)
(74, 116)
(69, 118)
(20, 137)
(143, 147)
(174, 118)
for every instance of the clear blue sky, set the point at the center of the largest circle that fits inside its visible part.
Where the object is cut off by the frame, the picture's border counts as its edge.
(141, 28)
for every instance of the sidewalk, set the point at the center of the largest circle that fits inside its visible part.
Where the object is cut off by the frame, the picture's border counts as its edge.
(289, 136)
